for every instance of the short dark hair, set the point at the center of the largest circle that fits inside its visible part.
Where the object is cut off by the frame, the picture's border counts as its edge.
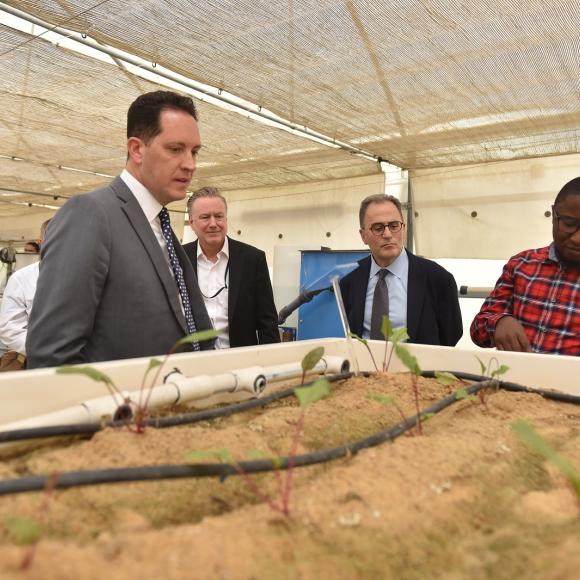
(378, 198)
(571, 188)
(205, 192)
(34, 244)
(144, 112)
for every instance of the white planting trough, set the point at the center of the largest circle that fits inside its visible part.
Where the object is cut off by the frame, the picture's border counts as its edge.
(42, 397)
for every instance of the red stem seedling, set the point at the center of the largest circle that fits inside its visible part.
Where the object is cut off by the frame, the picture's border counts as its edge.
(51, 483)
(310, 360)
(101, 377)
(537, 443)
(143, 406)
(384, 400)
(224, 456)
(366, 345)
(391, 335)
(26, 531)
(411, 363)
(123, 409)
(486, 372)
(306, 396)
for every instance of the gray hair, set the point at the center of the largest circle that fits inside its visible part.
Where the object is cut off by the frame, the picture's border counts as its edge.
(205, 192)
(378, 198)
(43, 229)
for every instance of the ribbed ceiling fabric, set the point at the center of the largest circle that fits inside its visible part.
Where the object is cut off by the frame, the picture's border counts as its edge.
(422, 84)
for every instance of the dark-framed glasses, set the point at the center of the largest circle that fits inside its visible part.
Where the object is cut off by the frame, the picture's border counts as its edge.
(379, 228)
(566, 224)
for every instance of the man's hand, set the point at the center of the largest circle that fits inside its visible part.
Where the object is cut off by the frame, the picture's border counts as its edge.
(510, 335)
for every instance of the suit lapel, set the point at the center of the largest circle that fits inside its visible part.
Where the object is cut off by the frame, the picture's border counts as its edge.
(236, 267)
(360, 285)
(191, 251)
(139, 222)
(416, 288)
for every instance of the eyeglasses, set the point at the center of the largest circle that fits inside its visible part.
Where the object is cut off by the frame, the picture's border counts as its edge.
(379, 228)
(566, 224)
(224, 287)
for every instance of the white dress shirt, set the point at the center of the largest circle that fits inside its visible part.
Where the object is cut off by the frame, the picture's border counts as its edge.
(212, 277)
(396, 280)
(16, 306)
(151, 208)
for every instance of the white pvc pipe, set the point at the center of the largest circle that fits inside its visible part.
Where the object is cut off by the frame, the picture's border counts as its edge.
(179, 389)
(330, 364)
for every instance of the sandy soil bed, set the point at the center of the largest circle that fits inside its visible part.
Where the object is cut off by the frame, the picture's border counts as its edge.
(464, 500)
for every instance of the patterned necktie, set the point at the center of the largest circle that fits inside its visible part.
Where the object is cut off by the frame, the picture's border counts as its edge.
(380, 305)
(178, 273)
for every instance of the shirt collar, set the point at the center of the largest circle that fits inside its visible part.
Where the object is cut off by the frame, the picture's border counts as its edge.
(150, 206)
(225, 251)
(397, 268)
(552, 255)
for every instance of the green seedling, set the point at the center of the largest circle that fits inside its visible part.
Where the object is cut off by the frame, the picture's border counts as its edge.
(537, 443)
(124, 411)
(411, 363)
(463, 395)
(224, 456)
(28, 532)
(366, 345)
(96, 376)
(395, 336)
(306, 397)
(143, 407)
(446, 379)
(387, 332)
(385, 400)
(23, 531)
(310, 360)
(487, 372)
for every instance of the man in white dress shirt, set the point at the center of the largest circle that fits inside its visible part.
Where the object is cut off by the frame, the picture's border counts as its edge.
(233, 276)
(114, 281)
(15, 311)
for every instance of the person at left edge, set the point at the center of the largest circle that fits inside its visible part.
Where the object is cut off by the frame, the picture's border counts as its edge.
(107, 289)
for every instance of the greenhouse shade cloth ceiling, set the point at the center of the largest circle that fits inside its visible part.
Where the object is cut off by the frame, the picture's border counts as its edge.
(420, 84)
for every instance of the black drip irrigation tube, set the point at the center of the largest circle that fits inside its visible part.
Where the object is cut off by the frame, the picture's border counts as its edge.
(224, 470)
(158, 422)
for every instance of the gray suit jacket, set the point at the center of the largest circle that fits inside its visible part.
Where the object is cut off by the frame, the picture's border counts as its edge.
(105, 290)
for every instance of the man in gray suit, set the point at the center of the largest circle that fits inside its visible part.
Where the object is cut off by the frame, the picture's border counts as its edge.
(114, 281)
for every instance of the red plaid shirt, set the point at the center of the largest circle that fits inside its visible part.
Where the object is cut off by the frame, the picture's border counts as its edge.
(544, 295)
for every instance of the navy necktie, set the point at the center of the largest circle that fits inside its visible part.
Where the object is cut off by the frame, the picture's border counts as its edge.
(178, 273)
(380, 305)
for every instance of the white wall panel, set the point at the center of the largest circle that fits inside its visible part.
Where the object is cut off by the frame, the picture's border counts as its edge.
(302, 214)
(510, 199)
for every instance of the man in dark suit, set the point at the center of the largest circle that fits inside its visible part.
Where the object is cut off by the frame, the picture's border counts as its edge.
(233, 276)
(414, 292)
(114, 281)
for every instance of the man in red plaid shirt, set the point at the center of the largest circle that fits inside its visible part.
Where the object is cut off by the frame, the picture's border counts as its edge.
(535, 305)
